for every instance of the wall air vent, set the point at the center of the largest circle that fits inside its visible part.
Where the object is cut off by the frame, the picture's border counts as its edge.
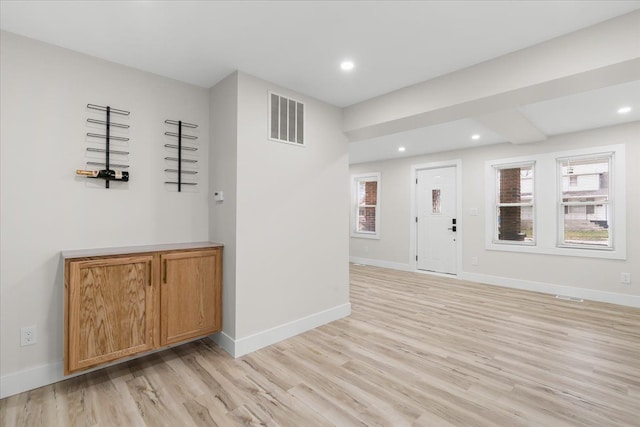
(286, 120)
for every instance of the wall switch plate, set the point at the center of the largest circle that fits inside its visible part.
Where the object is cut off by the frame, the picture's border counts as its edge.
(473, 212)
(625, 278)
(28, 335)
(474, 260)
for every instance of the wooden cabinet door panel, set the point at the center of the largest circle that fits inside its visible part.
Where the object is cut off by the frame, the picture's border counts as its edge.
(110, 309)
(190, 295)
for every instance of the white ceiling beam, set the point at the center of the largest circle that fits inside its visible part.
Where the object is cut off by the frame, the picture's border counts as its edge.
(512, 125)
(608, 76)
(602, 55)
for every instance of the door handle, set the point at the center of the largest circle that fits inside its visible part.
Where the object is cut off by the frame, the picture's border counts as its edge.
(164, 275)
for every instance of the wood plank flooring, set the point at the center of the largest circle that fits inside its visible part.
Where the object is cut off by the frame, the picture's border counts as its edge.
(418, 350)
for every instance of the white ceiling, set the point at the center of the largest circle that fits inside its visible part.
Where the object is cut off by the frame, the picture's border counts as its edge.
(299, 45)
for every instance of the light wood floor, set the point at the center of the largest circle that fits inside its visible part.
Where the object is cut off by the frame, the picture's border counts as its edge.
(419, 350)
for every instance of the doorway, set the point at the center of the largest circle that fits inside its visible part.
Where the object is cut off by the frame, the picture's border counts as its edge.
(436, 213)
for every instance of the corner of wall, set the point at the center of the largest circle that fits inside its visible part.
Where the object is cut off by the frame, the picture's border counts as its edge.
(240, 347)
(223, 101)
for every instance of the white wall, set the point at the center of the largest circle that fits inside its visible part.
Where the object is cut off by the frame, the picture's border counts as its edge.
(282, 220)
(585, 276)
(292, 246)
(45, 208)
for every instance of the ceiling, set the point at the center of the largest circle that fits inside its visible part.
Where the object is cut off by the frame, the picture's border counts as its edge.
(586, 110)
(300, 44)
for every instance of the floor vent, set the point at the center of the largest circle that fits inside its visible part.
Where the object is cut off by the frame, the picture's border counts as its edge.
(568, 298)
(286, 120)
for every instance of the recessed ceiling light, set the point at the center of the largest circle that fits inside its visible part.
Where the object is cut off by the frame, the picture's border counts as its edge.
(624, 110)
(475, 137)
(401, 149)
(347, 65)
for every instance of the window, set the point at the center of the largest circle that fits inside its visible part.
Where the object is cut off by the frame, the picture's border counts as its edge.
(569, 203)
(435, 201)
(366, 199)
(514, 214)
(586, 218)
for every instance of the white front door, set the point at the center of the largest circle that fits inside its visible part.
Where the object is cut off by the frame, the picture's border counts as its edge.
(436, 220)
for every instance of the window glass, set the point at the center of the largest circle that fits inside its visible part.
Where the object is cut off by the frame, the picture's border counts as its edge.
(367, 201)
(586, 219)
(366, 193)
(514, 207)
(435, 201)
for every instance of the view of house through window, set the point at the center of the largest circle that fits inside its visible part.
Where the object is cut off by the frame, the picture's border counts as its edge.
(366, 194)
(585, 201)
(514, 204)
(367, 205)
(566, 203)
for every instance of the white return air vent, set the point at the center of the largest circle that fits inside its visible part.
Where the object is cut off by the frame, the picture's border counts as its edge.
(286, 120)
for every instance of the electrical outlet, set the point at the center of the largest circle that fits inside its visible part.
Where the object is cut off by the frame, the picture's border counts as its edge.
(28, 335)
(625, 278)
(474, 260)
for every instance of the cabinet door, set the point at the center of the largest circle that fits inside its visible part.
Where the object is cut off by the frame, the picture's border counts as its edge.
(109, 311)
(190, 295)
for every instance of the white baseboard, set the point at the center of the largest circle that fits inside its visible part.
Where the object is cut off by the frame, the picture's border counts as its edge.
(224, 341)
(240, 347)
(528, 285)
(380, 263)
(29, 379)
(40, 376)
(553, 289)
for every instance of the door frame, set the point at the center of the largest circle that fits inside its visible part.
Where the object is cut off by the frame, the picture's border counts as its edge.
(413, 230)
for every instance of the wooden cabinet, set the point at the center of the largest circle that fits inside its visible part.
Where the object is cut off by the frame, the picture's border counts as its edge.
(110, 309)
(120, 305)
(188, 307)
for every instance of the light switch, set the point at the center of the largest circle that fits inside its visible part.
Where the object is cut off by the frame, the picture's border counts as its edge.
(218, 196)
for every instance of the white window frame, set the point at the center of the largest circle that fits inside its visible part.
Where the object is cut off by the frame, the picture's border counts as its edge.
(498, 205)
(610, 197)
(548, 192)
(355, 180)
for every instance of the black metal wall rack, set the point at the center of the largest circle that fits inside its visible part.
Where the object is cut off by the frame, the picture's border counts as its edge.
(179, 170)
(107, 137)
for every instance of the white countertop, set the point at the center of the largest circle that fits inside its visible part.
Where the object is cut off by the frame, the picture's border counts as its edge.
(82, 253)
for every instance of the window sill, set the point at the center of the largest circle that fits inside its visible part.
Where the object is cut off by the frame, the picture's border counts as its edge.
(365, 236)
(513, 243)
(562, 251)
